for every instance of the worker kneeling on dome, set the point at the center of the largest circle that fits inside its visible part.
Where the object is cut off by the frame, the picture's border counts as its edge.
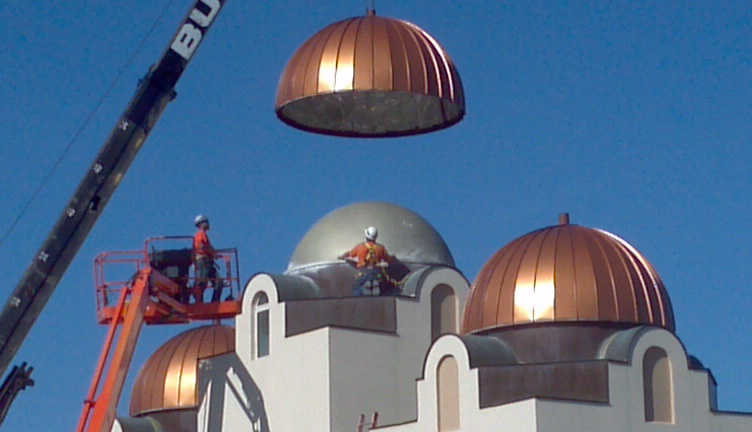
(372, 260)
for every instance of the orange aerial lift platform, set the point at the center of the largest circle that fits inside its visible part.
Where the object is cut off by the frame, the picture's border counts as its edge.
(155, 292)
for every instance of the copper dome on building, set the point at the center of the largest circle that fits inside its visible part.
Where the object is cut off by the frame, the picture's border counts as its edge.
(567, 273)
(370, 76)
(168, 379)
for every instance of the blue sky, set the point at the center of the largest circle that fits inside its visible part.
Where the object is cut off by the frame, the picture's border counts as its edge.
(633, 116)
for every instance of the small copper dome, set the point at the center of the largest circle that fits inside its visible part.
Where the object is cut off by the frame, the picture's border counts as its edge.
(370, 76)
(567, 273)
(168, 378)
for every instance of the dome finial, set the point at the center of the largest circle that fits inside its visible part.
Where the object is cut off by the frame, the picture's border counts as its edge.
(371, 11)
(563, 218)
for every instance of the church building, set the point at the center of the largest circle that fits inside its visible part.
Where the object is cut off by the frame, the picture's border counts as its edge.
(565, 328)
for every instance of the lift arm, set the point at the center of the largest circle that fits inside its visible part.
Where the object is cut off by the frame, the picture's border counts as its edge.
(102, 407)
(154, 92)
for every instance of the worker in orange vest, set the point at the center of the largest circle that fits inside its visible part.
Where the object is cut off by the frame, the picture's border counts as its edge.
(203, 258)
(371, 260)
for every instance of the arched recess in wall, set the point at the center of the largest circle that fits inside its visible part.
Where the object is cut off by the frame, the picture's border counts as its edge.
(658, 386)
(448, 395)
(443, 311)
(260, 308)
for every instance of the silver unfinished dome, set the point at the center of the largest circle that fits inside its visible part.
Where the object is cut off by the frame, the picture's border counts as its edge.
(405, 234)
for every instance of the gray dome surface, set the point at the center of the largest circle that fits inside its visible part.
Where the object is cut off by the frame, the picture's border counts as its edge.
(405, 234)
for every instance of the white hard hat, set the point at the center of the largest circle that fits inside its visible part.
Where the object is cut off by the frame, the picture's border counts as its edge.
(371, 233)
(200, 219)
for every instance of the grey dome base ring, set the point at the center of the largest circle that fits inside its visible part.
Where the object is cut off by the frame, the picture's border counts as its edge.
(371, 113)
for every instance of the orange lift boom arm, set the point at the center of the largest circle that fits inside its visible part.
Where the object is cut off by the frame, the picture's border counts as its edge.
(131, 308)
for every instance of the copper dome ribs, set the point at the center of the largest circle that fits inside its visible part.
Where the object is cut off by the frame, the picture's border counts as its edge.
(370, 76)
(168, 379)
(567, 273)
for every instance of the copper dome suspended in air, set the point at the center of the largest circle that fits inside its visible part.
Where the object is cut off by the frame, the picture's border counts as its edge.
(567, 273)
(370, 76)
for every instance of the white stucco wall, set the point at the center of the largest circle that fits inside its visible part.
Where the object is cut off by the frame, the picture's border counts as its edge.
(518, 416)
(376, 372)
(324, 379)
(624, 412)
(294, 377)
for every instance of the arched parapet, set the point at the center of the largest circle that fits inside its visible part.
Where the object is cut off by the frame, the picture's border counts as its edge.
(420, 282)
(628, 346)
(443, 290)
(262, 319)
(662, 385)
(430, 386)
(280, 288)
(451, 365)
(470, 351)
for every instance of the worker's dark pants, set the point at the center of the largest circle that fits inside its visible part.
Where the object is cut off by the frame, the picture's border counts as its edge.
(205, 272)
(368, 283)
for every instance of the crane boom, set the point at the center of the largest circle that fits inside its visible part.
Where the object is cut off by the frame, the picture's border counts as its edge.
(154, 92)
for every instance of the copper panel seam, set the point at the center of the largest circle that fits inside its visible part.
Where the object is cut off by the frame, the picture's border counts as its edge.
(514, 265)
(525, 280)
(174, 375)
(432, 77)
(494, 290)
(311, 80)
(587, 295)
(418, 62)
(508, 281)
(157, 396)
(400, 69)
(564, 277)
(618, 277)
(604, 286)
(544, 277)
(327, 65)
(298, 73)
(187, 395)
(640, 287)
(447, 86)
(473, 315)
(346, 57)
(382, 58)
(364, 56)
(629, 275)
(648, 287)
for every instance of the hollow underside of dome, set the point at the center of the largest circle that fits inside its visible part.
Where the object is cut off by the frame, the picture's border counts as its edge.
(567, 273)
(371, 113)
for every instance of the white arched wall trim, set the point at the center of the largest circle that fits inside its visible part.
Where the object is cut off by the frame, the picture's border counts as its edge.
(443, 311)
(260, 314)
(658, 386)
(448, 398)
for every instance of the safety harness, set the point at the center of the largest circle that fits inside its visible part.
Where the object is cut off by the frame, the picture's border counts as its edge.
(371, 261)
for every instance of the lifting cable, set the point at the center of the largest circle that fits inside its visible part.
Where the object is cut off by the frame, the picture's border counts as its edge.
(85, 123)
